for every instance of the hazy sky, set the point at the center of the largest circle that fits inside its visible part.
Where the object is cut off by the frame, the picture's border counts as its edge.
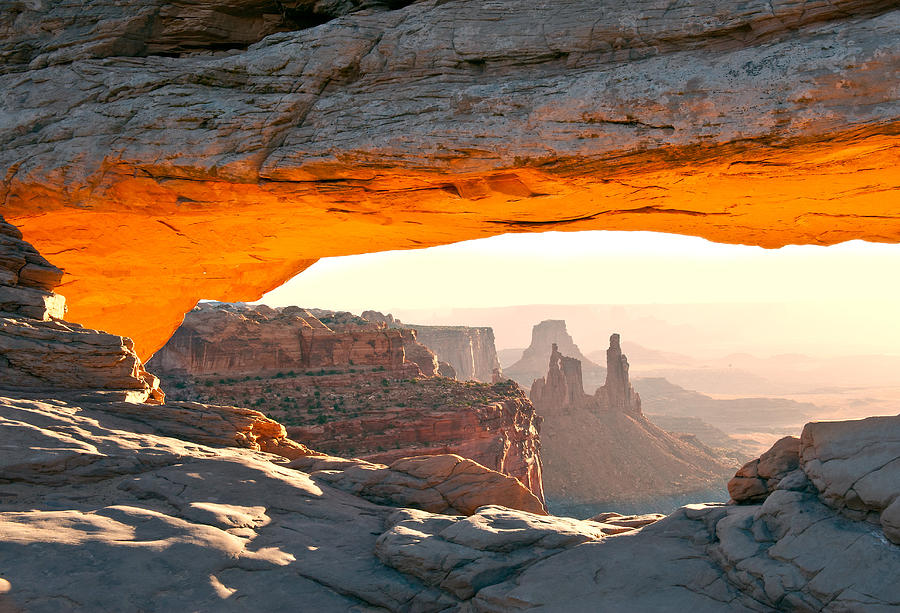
(846, 294)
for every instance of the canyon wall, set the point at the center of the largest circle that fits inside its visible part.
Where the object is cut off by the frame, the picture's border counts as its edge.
(601, 448)
(351, 386)
(497, 426)
(470, 351)
(178, 137)
(236, 340)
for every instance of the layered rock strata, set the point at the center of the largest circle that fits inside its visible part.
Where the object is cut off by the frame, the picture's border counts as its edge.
(432, 123)
(40, 352)
(533, 363)
(382, 416)
(225, 339)
(495, 426)
(600, 448)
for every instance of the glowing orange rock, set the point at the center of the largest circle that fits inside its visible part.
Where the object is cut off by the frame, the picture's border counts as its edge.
(162, 180)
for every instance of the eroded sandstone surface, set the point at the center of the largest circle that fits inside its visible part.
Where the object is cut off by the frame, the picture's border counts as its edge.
(144, 141)
(163, 523)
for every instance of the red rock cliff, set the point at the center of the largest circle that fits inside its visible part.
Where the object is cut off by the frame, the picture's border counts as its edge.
(347, 386)
(494, 425)
(235, 340)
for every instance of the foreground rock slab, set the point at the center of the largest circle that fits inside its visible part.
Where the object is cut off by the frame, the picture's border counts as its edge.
(159, 523)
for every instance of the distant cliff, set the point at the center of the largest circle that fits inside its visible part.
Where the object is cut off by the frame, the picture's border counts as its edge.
(602, 448)
(234, 340)
(533, 363)
(351, 386)
(469, 350)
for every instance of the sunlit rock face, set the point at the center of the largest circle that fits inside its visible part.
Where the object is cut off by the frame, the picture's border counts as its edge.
(230, 340)
(41, 352)
(177, 152)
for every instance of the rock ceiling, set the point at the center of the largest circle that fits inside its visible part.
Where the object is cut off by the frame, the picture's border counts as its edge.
(163, 153)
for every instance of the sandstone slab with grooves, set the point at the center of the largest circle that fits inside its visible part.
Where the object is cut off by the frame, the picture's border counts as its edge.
(447, 484)
(432, 123)
(160, 523)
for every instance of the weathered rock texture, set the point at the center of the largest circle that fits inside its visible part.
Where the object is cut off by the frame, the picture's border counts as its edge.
(447, 484)
(600, 448)
(533, 363)
(855, 467)
(161, 524)
(755, 122)
(40, 352)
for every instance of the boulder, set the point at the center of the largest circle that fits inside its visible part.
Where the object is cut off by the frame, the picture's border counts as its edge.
(759, 478)
(855, 466)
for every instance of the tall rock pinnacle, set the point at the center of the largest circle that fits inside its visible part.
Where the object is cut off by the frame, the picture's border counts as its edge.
(563, 386)
(618, 392)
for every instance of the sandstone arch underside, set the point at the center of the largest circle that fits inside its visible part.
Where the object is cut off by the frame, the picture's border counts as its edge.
(163, 153)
